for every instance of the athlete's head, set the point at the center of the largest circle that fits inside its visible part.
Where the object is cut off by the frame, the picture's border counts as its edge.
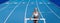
(35, 9)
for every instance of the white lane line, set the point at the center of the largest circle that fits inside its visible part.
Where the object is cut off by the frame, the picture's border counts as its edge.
(12, 12)
(39, 9)
(51, 10)
(4, 7)
(26, 11)
(26, 8)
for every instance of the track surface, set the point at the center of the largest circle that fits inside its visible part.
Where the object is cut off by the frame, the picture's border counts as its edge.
(13, 11)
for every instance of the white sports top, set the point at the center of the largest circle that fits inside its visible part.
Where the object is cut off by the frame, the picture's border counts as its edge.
(35, 13)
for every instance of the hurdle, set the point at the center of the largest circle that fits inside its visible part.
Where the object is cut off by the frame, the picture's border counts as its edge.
(26, 19)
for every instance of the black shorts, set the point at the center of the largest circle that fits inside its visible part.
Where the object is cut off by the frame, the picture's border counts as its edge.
(35, 18)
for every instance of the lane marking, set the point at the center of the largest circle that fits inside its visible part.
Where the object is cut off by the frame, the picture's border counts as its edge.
(25, 21)
(51, 10)
(12, 12)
